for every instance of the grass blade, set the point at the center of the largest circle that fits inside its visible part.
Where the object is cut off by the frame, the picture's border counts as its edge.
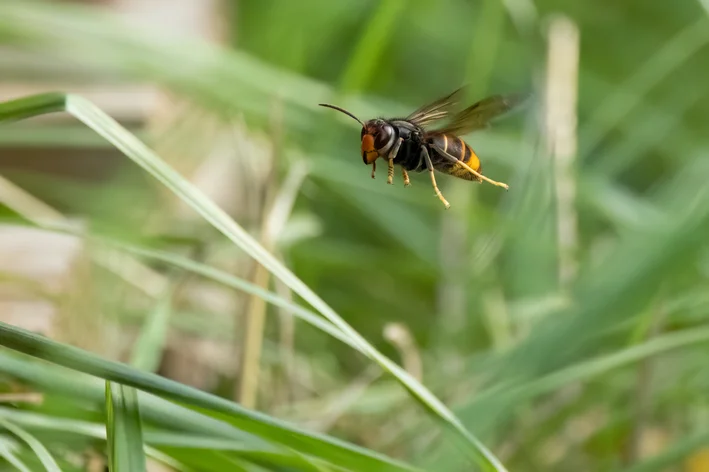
(42, 453)
(371, 45)
(35, 105)
(89, 391)
(229, 280)
(161, 439)
(150, 343)
(317, 445)
(7, 452)
(123, 429)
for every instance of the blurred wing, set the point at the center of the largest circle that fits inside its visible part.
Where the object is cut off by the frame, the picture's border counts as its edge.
(478, 115)
(435, 111)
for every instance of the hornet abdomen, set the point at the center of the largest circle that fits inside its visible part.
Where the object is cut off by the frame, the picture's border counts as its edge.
(455, 147)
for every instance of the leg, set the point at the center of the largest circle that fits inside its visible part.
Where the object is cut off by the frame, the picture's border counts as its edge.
(374, 168)
(470, 169)
(407, 182)
(392, 155)
(429, 165)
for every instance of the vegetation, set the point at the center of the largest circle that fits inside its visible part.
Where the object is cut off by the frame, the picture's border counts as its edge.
(560, 325)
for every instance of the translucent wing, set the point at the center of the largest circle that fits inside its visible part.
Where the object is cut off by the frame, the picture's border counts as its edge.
(435, 111)
(479, 114)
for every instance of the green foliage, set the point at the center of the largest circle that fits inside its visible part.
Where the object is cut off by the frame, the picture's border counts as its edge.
(123, 429)
(134, 149)
(50, 465)
(549, 376)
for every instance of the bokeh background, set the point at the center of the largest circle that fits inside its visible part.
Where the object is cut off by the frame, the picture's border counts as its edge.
(564, 321)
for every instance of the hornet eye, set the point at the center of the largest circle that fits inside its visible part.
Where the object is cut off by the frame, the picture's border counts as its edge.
(381, 138)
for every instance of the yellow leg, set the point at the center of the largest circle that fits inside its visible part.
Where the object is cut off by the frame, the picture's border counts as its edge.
(443, 153)
(479, 175)
(374, 168)
(429, 165)
(407, 182)
(390, 176)
(438, 192)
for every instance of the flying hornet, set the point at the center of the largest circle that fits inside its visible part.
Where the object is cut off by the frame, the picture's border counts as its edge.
(413, 145)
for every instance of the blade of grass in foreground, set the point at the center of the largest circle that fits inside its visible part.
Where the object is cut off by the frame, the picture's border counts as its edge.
(8, 452)
(50, 465)
(89, 392)
(159, 413)
(123, 429)
(105, 126)
(333, 450)
(159, 440)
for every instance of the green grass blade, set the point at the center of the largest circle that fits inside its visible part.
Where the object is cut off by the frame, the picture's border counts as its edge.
(149, 161)
(88, 390)
(149, 346)
(229, 280)
(170, 462)
(7, 452)
(35, 421)
(50, 465)
(34, 105)
(123, 429)
(371, 45)
(161, 439)
(317, 445)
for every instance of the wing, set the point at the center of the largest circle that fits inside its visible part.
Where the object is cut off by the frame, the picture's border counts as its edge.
(479, 114)
(435, 111)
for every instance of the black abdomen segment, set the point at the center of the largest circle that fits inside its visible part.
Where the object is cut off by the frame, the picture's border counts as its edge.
(455, 147)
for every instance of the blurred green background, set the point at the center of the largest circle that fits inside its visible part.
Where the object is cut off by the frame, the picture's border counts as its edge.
(567, 330)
